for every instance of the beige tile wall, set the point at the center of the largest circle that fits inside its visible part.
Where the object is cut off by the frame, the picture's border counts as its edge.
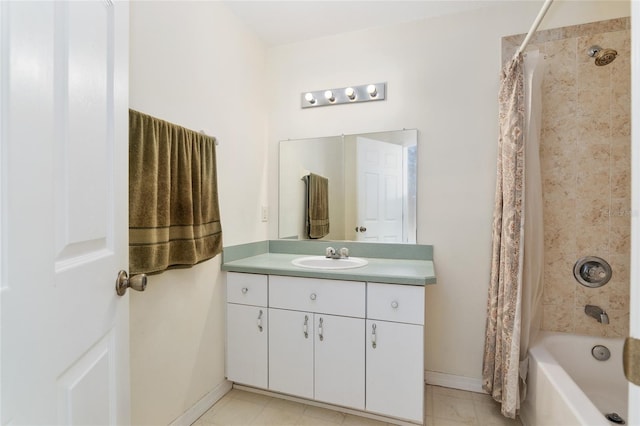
(586, 169)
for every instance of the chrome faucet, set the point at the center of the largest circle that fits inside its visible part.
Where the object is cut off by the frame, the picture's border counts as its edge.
(330, 253)
(597, 312)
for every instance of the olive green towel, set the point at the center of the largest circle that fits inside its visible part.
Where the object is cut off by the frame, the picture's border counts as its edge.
(174, 219)
(317, 206)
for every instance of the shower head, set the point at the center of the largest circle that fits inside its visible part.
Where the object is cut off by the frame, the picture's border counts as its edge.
(603, 56)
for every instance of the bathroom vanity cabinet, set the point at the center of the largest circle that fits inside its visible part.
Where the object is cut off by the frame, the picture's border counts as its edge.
(247, 329)
(316, 339)
(349, 343)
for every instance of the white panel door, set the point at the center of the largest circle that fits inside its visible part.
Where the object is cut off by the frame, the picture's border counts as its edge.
(395, 369)
(379, 191)
(291, 352)
(64, 143)
(247, 330)
(339, 366)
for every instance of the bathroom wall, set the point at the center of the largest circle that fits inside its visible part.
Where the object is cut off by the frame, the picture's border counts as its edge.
(194, 64)
(442, 76)
(586, 170)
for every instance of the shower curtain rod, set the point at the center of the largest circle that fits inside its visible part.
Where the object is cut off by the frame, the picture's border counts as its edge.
(535, 25)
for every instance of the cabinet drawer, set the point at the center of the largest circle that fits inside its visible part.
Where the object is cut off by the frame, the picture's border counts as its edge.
(336, 297)
(247, 289)
(393, 302)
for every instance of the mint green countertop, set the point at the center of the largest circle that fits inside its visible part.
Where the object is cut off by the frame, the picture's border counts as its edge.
(414, 268)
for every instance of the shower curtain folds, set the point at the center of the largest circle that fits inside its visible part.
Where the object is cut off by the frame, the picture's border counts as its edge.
(516, 278)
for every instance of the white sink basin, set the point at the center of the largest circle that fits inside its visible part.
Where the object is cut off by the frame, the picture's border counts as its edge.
(321, 262)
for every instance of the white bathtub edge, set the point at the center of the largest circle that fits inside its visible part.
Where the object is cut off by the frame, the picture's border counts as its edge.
(577, 409)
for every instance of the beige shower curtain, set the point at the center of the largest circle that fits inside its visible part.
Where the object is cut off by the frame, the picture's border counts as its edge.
(516, 268)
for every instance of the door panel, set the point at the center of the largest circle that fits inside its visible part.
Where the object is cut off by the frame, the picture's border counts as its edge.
(291, 352)
(379, 191)
(395, 373)
(339, 366)
(64, 131)
(247, 329)
(84, 390)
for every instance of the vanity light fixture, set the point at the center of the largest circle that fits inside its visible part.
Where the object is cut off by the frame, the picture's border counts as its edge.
(328, 95)
(351, 94)
(308, 97)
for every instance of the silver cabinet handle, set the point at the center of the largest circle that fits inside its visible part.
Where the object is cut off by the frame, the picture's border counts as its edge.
(136, 282)
(313, 296)
(244, 290)
(305, 327)
(394, 304)
(320, 331)
(260, 321)
(373, 336)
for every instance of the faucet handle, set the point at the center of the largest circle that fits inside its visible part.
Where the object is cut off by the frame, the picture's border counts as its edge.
(329, 251)
(344, 252)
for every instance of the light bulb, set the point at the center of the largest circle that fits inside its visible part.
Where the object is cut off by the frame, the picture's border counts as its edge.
(351, 94)
(309, 98)
(329, 96)
(371, 90)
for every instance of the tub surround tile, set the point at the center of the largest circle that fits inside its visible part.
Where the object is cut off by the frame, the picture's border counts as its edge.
(592, 296)
(619, 322)
(557, 318)
(586, 171)
(585, 324)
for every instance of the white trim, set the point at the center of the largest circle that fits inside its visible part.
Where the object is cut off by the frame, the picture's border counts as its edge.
(199, 408)
(634, 298)
(453, 381)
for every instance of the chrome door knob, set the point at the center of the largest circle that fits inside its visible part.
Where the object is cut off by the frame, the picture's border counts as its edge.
(136, 282)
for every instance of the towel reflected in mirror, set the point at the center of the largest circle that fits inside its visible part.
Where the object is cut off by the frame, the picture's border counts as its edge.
(317, 208)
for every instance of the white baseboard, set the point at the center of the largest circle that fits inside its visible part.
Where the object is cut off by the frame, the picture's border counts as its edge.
(452, 381)
(199, 408)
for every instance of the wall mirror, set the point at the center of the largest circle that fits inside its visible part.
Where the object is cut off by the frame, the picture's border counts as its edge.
(371, 193)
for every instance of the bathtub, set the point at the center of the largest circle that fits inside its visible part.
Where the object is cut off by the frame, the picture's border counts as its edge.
(568, 386)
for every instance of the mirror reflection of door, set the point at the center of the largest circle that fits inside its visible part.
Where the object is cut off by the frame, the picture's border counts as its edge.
(379, 190)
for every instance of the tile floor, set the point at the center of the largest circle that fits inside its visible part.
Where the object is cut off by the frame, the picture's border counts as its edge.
(445, 407)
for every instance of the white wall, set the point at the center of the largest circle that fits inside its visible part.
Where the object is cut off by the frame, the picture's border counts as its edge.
(194, 64)
(442, 78)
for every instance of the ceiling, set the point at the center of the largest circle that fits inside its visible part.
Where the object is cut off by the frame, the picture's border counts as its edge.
(284, 22)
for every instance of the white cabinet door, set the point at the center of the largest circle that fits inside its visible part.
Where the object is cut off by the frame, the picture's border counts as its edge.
(291, 352)
(247, 344)
(395, 370)
(339, 363)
